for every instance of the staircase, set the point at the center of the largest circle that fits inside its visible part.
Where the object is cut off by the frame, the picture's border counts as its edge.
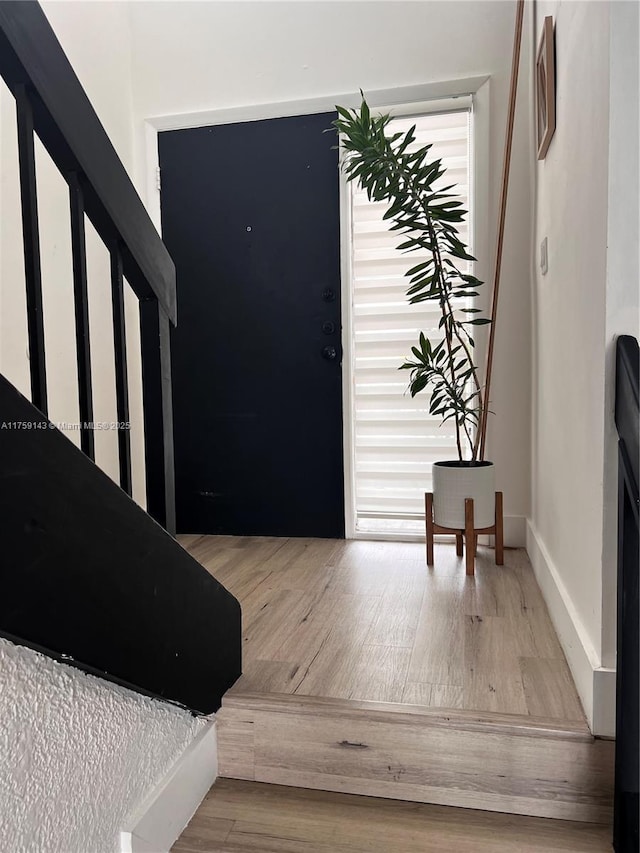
(87, 576)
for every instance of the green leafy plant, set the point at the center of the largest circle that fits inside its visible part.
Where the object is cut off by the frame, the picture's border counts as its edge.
(389, 169)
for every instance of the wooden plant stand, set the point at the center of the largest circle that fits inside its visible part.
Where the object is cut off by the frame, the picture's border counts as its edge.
(469, 532)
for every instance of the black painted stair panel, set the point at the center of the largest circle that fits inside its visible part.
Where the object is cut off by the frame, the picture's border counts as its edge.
(88, 577)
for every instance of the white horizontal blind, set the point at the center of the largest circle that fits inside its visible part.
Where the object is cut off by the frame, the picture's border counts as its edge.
(395, 438)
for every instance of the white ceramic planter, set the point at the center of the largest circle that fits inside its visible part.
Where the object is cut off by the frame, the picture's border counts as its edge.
(453, 482)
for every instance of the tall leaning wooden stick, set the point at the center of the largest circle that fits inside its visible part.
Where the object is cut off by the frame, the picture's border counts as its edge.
(501, 219)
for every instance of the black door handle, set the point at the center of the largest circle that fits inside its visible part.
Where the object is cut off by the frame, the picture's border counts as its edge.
(330, 353)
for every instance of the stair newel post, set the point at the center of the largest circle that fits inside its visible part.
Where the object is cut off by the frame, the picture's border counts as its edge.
(158, 413)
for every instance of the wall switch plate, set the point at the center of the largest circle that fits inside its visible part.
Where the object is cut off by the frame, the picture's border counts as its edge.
(544, 257)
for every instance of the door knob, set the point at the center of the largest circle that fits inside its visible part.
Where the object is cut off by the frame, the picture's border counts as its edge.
(328, 294)
(330, 353)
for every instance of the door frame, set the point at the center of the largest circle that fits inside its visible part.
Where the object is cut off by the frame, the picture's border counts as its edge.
(401, 100)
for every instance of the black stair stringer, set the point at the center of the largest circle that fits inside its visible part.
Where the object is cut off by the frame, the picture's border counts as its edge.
(88, 578)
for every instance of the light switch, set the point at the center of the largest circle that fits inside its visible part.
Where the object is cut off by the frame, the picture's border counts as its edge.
(544, 257)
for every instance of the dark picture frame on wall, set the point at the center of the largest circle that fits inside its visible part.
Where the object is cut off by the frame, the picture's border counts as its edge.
(545, 88)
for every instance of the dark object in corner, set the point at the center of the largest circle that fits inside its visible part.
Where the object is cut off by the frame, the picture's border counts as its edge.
(625, 828)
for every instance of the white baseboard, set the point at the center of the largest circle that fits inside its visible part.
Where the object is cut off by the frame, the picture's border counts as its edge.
(515, 534)
(158, 822)
(596, 685)
(515, 531)
(604, 702)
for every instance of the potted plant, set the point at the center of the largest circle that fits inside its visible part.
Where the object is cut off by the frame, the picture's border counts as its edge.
(389, 169)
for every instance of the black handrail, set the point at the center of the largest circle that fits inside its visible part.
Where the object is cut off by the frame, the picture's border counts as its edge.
(51, 103)
(70, 130)
(627, 417)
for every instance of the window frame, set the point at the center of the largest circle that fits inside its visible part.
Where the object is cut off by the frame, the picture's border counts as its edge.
(479, 180)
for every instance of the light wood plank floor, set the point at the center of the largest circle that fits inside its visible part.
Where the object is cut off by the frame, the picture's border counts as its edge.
(247, 817)
(368, 620)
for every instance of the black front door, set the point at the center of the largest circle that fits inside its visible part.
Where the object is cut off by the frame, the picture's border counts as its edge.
(250, 215)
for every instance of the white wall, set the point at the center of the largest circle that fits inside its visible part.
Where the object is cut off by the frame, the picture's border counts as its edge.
(77, 755)
(623, 271)
(571, 211)
(197, 57)
(96, 39)
(586, 200)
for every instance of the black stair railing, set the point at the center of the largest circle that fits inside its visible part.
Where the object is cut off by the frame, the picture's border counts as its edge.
(86, 576)
(51, 103)
(627, 415)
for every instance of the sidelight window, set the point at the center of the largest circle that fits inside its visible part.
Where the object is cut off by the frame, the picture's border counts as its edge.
(394, 439)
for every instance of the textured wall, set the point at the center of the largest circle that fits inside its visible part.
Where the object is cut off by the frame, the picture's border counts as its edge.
(77, 755)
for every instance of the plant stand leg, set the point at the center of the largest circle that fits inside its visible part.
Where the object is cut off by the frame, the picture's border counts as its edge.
(499, 531)
(459, 548)
(469, 535)
(428, 515)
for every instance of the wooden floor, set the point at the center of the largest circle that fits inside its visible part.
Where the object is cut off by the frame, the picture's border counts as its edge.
(366, 673)
(247, 817)
(367, 620)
